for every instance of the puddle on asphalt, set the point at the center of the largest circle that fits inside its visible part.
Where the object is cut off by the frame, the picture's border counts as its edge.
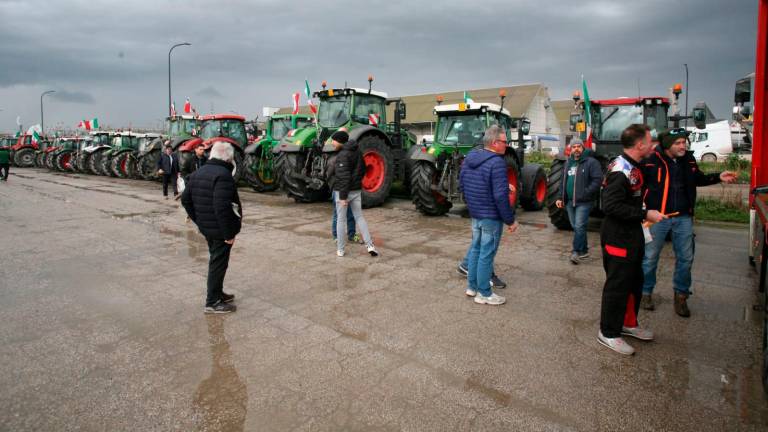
(196, 247)
(222, 398)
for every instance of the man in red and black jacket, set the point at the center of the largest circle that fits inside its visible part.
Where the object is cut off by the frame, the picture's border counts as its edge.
(671, 177)
(622, 240)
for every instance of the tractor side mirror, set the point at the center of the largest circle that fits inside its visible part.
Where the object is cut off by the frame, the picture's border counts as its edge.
(700, 117)
(746, 111)
(574, 120)
(402, 111)
(525, 126)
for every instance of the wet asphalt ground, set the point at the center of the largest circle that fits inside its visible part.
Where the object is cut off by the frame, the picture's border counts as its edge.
(103, 282)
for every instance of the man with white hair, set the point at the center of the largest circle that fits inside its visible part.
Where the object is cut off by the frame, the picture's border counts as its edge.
(212, 202)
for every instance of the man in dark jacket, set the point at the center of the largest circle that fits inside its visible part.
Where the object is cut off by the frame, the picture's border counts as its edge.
(168, 167)
(671, 177)
(622, 241)
(195, 162)
(212, 202)
(5, 163)
(580, 186)
(483, 180)
(346, 181)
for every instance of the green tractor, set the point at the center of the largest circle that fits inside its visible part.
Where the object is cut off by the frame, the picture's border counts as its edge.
(218, 127)
(460, 128)
(302, 157)
(62, 158)
(259, 156)
(75, 160)
(92, 157)
(119, 160)
(145, 142)
(41, 154)
(181, 128)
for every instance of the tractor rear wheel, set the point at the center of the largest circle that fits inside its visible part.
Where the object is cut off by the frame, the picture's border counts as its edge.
(558, 216)
(121, 164)
(82, 162)
(534, 194)
(379, 170)
(95, 161)
(259, 171)
(148, 164)
(513, 178)
(50, 158)
(239, 166)
(24, 158)
(428, 201)
(286, 165)
(105, 166)
(63, 161)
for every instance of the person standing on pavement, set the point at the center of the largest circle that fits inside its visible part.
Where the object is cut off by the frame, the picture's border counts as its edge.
(194, 163)
(483, 180)
(168, 167)
(212, 202)
(5, 163)
(347, 180)
(672, 176)
(352, 234)
(623, 242)
(580, 186)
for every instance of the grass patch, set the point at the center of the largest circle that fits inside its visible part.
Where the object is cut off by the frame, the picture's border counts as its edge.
(726, 210)
(742, 168)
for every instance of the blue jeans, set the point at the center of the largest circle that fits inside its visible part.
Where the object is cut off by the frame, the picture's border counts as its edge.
(350, 223)
(579, 216)
(682, 242)
(486, 235)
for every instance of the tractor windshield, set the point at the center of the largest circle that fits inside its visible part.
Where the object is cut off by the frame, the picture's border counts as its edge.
(656, 117)
(280, 128)
(181, 127)
(369, 110)
(461, 129)
(302, 123)
(611, 120)
(101, 139)
(333, 111)
(229, 128)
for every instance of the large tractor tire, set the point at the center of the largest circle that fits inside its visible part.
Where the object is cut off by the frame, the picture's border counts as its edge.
(513, 177)
(63, 161)
(259, 172)
(379, 170)
(50, 159)
(534, 195)
(239, 166)
(285, 165)
(24, 158)
(147, 165)
(95, 161)
(121, 166)
(82, 162)
(106, 164)
(428, 201)
(558, 216)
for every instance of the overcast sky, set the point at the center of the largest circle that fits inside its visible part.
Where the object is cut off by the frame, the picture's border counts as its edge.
(109, 59)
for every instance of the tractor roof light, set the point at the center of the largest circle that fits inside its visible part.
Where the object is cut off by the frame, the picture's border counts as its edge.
(677, 89)
(658, 101)
(439, 99)
(576, 96)
(370, 83)
(324, 84)
(648, 101)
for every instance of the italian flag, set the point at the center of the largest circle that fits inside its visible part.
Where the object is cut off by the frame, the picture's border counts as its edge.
(587, 114)
(308, 92)
(188, 107)
(89, 124)
(36, 133)
(468, 98)
(295, 103)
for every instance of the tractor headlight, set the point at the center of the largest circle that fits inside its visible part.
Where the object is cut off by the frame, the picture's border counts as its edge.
(431, 150)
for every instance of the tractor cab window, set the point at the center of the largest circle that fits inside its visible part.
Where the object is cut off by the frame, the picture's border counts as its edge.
(229, 128)
(463, 130)
(656, 117)
(302, 123)
(369, 110)
(101, 139)
(280, 128)
(333, 111)
(181, 127)
(611, 120)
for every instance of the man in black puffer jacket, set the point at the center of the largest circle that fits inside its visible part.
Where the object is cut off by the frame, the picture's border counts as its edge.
(212, 202)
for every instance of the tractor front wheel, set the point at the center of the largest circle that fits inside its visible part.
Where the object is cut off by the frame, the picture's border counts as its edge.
(558, 216)
(147, 165)
(513, 178)
(49, 159)
(120, 165)
(24, 158)
(288, 164)
(258, 170)
(379, 170)
(534, 194)
(95, 161)
(63, 161)
(428, 201)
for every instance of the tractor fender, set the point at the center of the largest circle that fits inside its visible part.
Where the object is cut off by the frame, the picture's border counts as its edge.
(287, 147)
(251, 148)
(96, 148)
(358, 132)
(209, 143)
(513, 153)
(423, 156)
(187, 146)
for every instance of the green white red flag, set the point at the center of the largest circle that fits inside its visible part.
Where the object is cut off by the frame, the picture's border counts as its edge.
(468, 98)
(587, 114)
(308, 93)
(89, 124)
(37, 132)
(295, 103)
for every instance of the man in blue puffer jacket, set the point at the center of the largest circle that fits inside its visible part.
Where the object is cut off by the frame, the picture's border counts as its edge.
(486, 190)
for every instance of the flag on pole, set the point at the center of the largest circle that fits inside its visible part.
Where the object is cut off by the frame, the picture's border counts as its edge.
(587, 114)
(187, 107)
(468, 98)
(36, 131)
(89, 124)
(295, 103)
(173, 109)
(308, 92)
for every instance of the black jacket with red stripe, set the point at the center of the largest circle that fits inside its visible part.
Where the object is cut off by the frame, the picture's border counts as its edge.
(656, 174)
(621, 234)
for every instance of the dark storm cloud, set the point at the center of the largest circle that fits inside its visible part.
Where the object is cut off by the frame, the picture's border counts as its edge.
(258, 53)
(73, 97)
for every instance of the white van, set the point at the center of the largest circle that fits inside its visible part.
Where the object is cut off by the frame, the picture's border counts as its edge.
(713, 143)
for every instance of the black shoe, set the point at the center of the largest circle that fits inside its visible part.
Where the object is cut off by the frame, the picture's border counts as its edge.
(220, 308)
(497, 283)
(226, 298)
(462, 270)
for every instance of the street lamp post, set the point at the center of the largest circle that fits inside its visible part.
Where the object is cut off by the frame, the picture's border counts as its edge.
(42, 118)
(169, 73)
(686, 92)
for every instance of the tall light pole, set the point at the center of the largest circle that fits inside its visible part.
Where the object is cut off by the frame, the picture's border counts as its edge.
(169, 73)
(686, 93)
(42, 120)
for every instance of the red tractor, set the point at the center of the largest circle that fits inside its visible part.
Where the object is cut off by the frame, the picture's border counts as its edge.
(219, 127)
(23, 152)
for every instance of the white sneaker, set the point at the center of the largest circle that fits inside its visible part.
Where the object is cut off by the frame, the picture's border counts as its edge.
(616, 344)
(470, 292)
(339, 253)
(494, 299)
(372, 250)
(637, 333)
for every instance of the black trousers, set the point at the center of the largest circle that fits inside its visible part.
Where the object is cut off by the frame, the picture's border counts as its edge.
(217, 269)
(169, 178)
(4, 171)
(621, 294)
